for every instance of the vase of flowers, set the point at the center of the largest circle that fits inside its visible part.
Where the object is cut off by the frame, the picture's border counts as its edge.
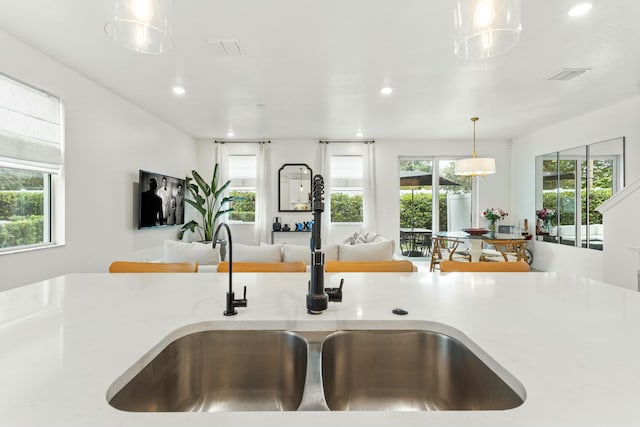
(492, 215)
(546, 216)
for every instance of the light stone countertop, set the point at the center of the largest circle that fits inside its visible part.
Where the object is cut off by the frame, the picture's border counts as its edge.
(573, 343)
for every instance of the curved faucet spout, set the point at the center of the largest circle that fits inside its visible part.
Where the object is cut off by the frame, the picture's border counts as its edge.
(232, 302)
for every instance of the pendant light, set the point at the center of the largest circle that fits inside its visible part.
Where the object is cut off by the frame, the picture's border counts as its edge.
(475, 165)
(301, 189)
(141, 25)
(486, 28)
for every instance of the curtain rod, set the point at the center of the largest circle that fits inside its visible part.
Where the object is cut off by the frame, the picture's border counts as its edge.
(345, 141)
(218, 141)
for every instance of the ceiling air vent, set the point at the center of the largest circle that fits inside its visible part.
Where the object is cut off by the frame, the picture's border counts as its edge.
(569, 73)
(225, 47)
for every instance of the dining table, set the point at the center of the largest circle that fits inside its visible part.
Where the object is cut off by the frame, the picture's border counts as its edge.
(475, 240)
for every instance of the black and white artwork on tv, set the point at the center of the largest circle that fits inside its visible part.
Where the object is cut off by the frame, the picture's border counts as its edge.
(161, 200)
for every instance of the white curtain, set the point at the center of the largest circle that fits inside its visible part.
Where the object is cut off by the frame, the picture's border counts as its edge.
(323, 167)
(263, 194)
(369, 186)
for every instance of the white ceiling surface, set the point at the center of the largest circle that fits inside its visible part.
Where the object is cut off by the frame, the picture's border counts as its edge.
(317, 66)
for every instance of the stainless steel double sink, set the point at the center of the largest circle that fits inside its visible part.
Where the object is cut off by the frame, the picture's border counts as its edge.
(350, 370)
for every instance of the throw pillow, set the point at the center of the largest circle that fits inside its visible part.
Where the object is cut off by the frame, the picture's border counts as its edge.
(202, 253)
(377, 251)
(251, 253)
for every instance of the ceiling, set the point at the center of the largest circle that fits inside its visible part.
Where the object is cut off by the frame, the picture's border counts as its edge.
(313, 69)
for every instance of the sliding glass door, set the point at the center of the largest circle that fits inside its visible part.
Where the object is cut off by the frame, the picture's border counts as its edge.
(428, 205)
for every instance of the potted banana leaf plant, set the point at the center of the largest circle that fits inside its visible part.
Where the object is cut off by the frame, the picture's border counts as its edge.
(208, 201)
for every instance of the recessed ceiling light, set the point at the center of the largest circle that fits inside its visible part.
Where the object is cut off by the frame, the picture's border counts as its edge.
(178, 90)
(580, 9)
(230, 134)
(386, 90)
(359, 134)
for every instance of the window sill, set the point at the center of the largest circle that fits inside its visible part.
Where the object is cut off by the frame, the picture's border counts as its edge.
(30, 248)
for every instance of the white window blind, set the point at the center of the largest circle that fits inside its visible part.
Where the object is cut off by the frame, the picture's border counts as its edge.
(30, 130)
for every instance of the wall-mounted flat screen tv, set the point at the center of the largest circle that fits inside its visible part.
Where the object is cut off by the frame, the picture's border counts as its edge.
(161, 200)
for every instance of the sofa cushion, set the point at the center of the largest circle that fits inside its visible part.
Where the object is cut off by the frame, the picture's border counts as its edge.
(294, 253)
(202, 253)
(262, 253)
(330, 252)
(377, 251)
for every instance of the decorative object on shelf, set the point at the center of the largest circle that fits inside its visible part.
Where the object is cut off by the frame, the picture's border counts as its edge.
(276, 224)
(300, 226)
(546, 216)
(286, 227)
(475, 166)
(308, 226)
(141, 25)
(486, 28)
(208, 200)
(492, 215)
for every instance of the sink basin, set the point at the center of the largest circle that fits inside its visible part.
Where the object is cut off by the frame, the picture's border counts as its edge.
(350, 370)
(382, 370)
(221, 371)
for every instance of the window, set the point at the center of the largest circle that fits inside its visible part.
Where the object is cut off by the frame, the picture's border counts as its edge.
(242, 174)
(570, 185)
(346, 189)
(30, 154)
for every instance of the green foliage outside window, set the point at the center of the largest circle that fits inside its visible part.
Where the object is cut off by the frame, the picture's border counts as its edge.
(420, 211)
(21, 219)
(244, 209)
(20, 203)
(21, 231)
(567, 207)
(346, 208)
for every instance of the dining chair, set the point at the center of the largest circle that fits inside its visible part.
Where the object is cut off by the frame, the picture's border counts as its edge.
(153, 267)
(445, 248)
(455, 266)
(398, 266)
(505, 250)
(263, 267)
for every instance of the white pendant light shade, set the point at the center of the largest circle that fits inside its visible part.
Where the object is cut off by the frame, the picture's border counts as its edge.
(486, 28)
(141, 25)
(476, 166)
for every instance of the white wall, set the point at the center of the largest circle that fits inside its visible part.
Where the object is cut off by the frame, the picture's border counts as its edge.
(107, 140)
(607, 123)
(495, 189)
(620, 262)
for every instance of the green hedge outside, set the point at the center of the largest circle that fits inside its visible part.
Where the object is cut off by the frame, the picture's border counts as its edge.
(243, 210)
(422, 212)
(20, 203)
(22, 231)
(567, 208)
(346, 208)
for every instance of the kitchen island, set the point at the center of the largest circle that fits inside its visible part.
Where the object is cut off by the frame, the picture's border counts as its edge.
(571, 342)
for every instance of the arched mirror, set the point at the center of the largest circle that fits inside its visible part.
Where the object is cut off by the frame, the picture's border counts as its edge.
(294, 188)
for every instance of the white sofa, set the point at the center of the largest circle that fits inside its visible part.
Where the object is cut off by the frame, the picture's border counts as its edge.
(568, 232)
(365, 247)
